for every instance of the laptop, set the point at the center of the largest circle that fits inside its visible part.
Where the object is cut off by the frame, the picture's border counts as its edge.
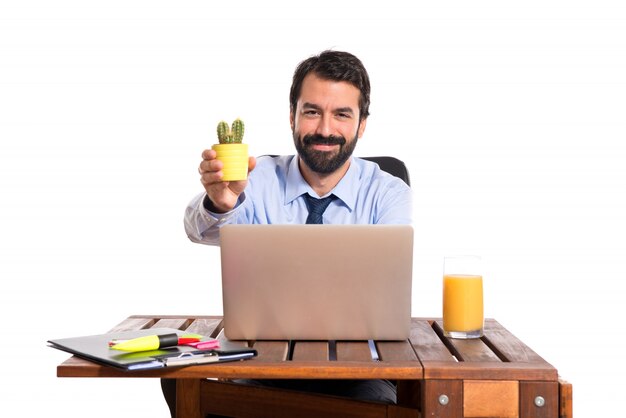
(317, 282)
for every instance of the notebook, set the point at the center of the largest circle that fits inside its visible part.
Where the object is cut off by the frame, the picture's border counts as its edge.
(96, 348)
(317, 282)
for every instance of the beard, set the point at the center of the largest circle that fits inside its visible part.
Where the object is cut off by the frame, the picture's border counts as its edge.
(324, 162)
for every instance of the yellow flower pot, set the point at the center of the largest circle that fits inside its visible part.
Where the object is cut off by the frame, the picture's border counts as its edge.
(235, 159)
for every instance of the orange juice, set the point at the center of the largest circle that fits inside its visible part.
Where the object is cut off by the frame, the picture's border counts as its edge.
(463, 305)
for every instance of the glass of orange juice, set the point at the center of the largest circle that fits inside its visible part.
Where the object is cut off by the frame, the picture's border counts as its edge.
(463, 297)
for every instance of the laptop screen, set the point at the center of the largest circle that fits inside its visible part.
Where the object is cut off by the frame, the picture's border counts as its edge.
(317, 282)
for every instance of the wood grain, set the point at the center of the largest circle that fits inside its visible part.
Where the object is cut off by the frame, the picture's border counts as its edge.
(491, 398)
(566, 396)
(353, 351)
(549, 393)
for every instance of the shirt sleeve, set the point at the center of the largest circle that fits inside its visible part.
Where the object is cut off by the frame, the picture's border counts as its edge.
(202, 226)
(396, 205)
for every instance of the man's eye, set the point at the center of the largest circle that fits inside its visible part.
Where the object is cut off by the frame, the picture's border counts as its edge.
(310, 112)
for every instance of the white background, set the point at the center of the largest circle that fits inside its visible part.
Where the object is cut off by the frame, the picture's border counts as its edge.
(510, 116)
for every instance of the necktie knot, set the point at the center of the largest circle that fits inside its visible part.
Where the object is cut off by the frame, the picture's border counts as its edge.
(316, 208)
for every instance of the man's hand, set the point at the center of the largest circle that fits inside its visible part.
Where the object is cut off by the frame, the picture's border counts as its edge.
(223, 194)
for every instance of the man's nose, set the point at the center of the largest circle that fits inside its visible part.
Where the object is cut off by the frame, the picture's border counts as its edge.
(324, 127)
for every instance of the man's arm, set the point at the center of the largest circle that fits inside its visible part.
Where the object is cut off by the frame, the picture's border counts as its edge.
(202, 223)
(217, 206)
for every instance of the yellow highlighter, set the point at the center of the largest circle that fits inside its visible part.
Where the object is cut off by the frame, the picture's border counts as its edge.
(151, 342)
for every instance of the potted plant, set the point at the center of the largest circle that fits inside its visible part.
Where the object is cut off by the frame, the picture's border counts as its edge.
(231, 151)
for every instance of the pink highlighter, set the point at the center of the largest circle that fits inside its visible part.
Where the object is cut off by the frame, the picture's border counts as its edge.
(204, 345)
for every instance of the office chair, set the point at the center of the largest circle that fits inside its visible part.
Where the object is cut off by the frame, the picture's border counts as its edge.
(393, 166)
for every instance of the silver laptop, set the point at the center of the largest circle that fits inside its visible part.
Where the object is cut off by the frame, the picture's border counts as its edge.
(317, 282)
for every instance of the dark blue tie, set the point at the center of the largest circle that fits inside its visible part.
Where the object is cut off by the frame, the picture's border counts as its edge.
(316, 208)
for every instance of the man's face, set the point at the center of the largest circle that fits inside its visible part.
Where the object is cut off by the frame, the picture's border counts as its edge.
(326, 124)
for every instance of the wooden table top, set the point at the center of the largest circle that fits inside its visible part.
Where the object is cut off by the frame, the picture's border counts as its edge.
(427, 354)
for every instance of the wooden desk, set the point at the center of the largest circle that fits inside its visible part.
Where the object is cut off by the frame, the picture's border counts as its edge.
(497, 375)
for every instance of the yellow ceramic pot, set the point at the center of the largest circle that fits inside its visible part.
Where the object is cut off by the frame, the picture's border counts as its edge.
(235, 159)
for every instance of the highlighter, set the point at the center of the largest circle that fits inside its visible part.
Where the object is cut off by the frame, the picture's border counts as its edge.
(150, 342)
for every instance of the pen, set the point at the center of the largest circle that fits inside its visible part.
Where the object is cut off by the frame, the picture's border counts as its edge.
(152, 342)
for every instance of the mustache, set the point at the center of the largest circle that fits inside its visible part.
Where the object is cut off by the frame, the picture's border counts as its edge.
(324, 140)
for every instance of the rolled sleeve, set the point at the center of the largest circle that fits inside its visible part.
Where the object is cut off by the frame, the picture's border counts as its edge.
(201, 225)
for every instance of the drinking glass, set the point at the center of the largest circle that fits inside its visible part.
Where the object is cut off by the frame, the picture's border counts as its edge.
(463, 297)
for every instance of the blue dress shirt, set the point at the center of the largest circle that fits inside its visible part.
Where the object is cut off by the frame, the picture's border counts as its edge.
(274, 195)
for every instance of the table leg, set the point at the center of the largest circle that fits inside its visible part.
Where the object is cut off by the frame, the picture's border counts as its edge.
(442, 398)
(565, 399)
(188, 398)
(539, 399)
(409, 393)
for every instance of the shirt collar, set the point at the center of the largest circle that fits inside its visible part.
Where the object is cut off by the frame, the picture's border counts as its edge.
(345, 190)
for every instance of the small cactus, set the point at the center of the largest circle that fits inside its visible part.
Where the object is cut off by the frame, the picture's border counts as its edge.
(223, 132)
(232, 135)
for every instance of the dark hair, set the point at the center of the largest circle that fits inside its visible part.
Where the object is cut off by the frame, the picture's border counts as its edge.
(335, 66)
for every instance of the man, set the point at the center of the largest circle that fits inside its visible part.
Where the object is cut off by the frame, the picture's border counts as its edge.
(329, 106)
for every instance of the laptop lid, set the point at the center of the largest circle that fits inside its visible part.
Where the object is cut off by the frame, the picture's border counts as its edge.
(317, 282)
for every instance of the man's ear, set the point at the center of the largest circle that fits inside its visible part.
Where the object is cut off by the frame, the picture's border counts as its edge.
(361, 129)
(291, 121)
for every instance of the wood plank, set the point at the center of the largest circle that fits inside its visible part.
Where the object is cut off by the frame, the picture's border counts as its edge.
(353, 351)
(133, 323)
(489, 371)
(539, 399)
(427, 344)
(507, 345)
(466, 350)
(491, 398)
(395, 351)
(566, 397)
(209, 327)
(310, 351)
(473, 350)
(177, 323)
(173, 316)
(434, 405)
(253, 369)
(324, 370)
(228, 399)
(77, 367)
(271, 351)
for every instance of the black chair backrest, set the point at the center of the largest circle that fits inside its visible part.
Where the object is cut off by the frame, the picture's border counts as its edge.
(391, 165)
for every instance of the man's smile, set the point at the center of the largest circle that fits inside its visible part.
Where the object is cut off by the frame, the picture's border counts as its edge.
(324, 147)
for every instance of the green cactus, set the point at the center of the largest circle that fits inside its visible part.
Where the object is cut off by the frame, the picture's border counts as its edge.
(227, 135)
(222, 132)
(237, 131)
